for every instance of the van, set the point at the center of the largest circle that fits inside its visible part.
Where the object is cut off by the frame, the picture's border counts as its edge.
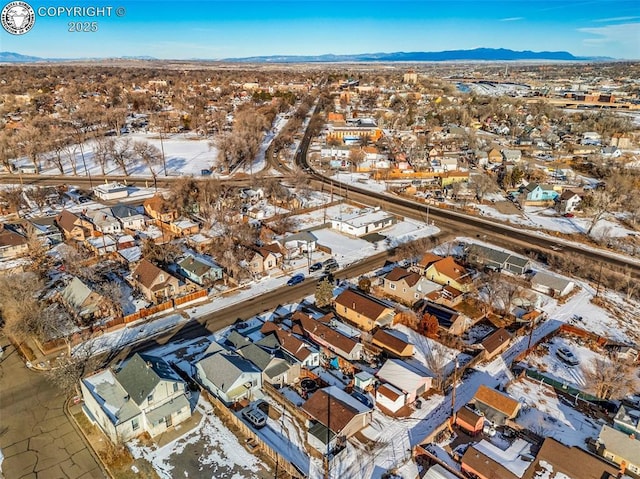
(256, 417)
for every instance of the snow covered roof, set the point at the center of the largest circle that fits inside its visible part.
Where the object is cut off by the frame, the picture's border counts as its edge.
(111, 396)
(402, 375)
(626, 446)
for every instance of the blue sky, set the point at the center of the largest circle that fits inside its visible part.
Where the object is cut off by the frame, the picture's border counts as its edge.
(236, 28)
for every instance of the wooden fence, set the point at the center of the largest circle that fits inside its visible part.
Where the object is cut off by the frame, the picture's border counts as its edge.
(190, 297)
(245, 432)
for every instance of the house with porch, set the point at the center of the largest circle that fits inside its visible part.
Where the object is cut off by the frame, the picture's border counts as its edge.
(407, 286)
(568, 202)
(160, 209)
(75, 227)
(331, 340)
(274, 366)
(129, 217)
(228, 376)
(104, 221)
(534, 194)
(145, 396)
(363, 310)
(266, 258)
(156, 284)
(290, 344)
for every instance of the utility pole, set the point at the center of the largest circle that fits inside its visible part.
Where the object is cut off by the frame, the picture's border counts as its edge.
(453, 392)
(599, 280)
(164, 161)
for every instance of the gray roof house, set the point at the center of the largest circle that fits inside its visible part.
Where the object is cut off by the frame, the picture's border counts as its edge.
(146, 395)
(491, 258)
(620, 448)
(551, 284)
(199, 271)
(228, 376)
(274, 367)
(81, 300)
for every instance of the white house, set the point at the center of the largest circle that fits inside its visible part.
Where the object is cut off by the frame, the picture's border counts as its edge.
(129, 217)
(105, 222)
(111, 191)
(568, 202)
(228, 376)
(363, 222)
(551, 284)
(146, 395)
(402, 383)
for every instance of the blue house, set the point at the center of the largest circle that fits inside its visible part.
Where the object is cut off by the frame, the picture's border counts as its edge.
(535, 194)
(199, 271)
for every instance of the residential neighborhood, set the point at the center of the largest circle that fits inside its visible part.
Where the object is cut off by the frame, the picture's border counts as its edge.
(409, 271)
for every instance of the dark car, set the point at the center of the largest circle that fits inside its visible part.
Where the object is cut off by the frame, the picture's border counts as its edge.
(331, 265)
(296, 279)
(315, 267)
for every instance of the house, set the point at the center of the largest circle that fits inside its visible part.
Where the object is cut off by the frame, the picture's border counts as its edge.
(611, 152)
(81, 300)
(496, 406)
(293, 347)
(496, 343)
(449, 319)
(129, 217)
(392, 343)
(146, 395)
(125, 242)
(407, 286)
(363, 310)
(228, 376)
(557, 461)
(334, 416)
(496, 260)
(199, 271)
(266, 258)
(45, 228)
(73, 226)
(400, 377)
(157, 285)
(484, 460)
(184, 227)
(509, 155)
(469, 420)
(275, 369)
(363, 222)
(551, 284)
(620, 448)
(568, 202)
(628, 421)
(448, 272)
(494, 156)
(330, 339)
(111, 191)
(300, 244)
(534, 194)
(101, 245)
(159, 209)
(104, 222)
(424, 262)
(12, 244)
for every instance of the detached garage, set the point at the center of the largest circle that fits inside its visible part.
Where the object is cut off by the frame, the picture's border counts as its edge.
(550, 284)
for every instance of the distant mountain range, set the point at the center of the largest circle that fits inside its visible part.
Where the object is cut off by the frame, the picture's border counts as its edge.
(477, 54)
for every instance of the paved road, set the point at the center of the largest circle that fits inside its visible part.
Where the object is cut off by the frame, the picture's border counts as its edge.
(36, 437)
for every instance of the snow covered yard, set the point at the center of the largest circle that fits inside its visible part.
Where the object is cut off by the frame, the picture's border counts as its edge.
(545, 414)
(208, 451)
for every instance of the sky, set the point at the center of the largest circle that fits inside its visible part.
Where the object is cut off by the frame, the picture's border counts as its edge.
(213, 29)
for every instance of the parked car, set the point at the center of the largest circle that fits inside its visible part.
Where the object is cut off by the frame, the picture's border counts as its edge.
(295, 279)
(363, 398)
(255, 416)
(315, 267)
(567, 356)
(568, 215)
(331, 265)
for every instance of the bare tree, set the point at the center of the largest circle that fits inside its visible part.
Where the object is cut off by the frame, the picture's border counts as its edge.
(598, 203)
(71, 368)
(148, 154)
(40, 261)
(163, 255)
(611, 378)
(120, 152)
(20, 307)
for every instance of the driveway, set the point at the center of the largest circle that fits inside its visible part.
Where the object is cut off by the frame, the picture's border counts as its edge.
(36, 437)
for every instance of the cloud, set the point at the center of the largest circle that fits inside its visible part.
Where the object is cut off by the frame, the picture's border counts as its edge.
(623, 33)
(511, 19)
(615, 19)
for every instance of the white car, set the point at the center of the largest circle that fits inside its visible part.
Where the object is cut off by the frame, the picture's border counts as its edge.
(255, 417)
(567, 356)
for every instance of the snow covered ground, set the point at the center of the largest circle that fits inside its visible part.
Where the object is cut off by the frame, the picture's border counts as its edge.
(544, 414)
(210, 450)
